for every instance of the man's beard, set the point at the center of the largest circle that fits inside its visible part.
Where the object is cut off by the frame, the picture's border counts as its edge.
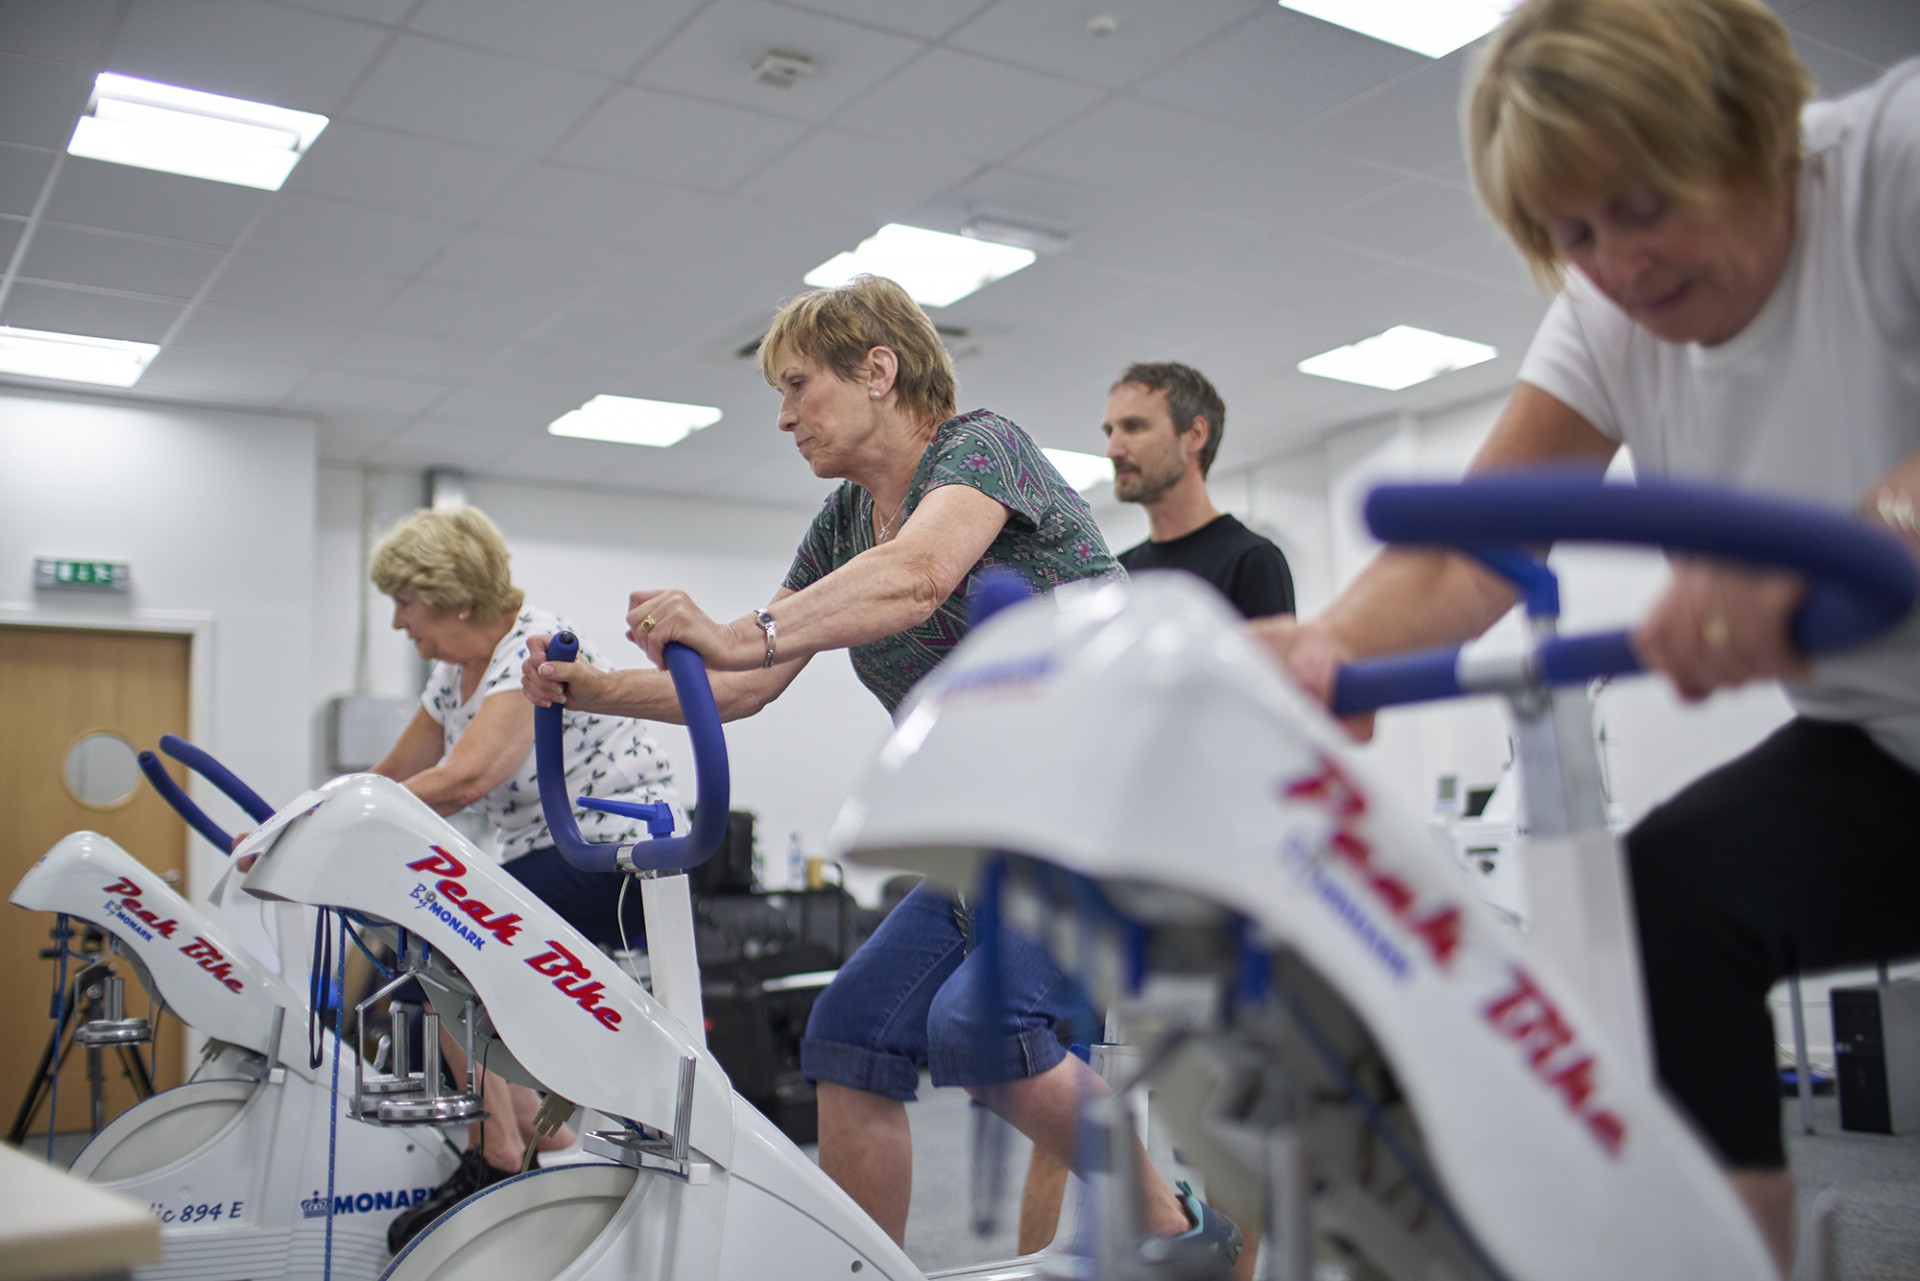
(1145, 487)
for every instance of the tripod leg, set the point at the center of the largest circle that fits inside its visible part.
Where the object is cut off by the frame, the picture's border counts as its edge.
(97, 1088)
(42, 1080)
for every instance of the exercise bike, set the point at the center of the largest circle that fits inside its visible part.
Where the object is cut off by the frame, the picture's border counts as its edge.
(695, 1184)
(1351, 1045)
(244, 1165)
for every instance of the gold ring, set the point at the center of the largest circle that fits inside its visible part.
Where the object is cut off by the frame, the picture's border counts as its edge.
(1715, 632)
(647, 624)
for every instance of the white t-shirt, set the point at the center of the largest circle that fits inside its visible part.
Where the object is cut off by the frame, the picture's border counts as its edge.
(610, 757)
(1818, 398)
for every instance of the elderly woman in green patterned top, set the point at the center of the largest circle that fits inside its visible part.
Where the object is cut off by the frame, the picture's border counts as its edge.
(470, 746)
(929, 498)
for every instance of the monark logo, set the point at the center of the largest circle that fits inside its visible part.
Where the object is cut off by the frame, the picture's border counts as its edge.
(315, 1206)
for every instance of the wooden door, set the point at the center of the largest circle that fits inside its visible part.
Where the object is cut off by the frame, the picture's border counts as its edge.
(58, 688)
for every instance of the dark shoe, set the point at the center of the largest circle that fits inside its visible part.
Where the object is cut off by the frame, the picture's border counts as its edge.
(472, 1174)
(1204, 1252)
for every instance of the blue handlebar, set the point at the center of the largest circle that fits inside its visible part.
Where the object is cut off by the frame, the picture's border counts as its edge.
(183, 805)
(1861, 581)
(712, 779)
(217, 774)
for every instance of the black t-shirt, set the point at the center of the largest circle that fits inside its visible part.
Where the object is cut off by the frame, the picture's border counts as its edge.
(1247, 568)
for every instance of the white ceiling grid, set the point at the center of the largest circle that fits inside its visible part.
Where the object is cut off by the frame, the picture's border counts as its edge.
(519, 205)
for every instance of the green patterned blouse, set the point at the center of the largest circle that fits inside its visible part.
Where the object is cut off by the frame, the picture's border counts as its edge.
(1050, 538)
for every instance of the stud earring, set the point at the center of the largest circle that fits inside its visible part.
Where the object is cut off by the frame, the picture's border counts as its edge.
(463, 615)
(875, 395)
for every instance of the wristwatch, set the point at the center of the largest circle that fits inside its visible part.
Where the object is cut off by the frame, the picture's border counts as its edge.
(765, 620)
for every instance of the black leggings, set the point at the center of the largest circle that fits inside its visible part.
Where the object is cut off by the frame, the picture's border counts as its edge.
(1802, 855)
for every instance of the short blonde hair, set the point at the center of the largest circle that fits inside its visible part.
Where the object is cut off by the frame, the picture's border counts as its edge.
(1700, 99)
(838, 327)
(451, 558)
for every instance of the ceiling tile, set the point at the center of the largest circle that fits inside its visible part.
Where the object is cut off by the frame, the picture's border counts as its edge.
(1007, 107)
(1412, 124)
(676, 140)
(548, 267)
(318, 229)
(40, 101)
(190, 374)
(1282, 183)
(560, 200)
(376, 351)
(1886, 29)
(291, 337)
(68, 31)
(1025, 198)
(1054, 291)
(83, 311)
(929, 19)
(306, 288)
(714, 55)
(10, 232)
(340, 389)
(385, 12)
(466, 95)
(23, 172)
(491, 316)
(1279, 70)
(1284, 268)
(267, 53)
(1411, 219)
(370, 166)
(1103, 147)
(1054, 37)
(1160, 240)
(73, 256)
(876, 181)
(610, 37)
(145, 202)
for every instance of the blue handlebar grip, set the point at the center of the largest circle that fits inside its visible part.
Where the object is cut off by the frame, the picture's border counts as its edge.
(219, 775)
(1373, 683)
(1861, 581)
(183, 805)
(713, 783)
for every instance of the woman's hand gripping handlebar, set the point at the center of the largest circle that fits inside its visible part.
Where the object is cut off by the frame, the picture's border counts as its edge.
(214, 772)
(713, 782)
(1860, 580)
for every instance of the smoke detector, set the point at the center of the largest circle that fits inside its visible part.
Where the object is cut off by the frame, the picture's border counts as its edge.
(781, 70)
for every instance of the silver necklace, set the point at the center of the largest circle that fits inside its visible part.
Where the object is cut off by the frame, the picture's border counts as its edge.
(886, 526)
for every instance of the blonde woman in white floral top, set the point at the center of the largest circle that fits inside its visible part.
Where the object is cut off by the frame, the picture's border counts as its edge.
(470, 746)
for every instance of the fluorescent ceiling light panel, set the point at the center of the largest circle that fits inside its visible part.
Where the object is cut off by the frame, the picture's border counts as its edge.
(184, 131)
(628, 420)
(934, 267)
(73, 358)
(1082, 471)
(1433, 27)
(1400, 357)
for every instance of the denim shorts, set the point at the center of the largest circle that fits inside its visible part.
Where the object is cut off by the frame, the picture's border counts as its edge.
(913, 996)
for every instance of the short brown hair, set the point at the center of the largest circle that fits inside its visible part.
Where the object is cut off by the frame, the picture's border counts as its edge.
(1189, 396)
(1698, 98)
(838, 327)
(451, 558)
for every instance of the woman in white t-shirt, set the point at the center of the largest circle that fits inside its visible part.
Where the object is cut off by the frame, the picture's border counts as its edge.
(470, 746)
(1743, 307)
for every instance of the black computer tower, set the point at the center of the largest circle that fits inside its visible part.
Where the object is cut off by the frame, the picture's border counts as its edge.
(1876, 1044)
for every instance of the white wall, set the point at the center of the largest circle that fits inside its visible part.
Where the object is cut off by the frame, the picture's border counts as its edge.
(578, 552)
(214, 512)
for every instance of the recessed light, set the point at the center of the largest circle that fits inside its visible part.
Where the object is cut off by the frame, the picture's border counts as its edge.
(184, 131)
(1433, 27)
(629, 420)
(73, 358)
(934, 267)
(1400, 357)
(1082, 471)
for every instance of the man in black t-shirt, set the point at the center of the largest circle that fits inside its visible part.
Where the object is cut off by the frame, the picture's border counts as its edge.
(1163, 426)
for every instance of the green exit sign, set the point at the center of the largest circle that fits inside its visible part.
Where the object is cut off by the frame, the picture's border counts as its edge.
(91, 575)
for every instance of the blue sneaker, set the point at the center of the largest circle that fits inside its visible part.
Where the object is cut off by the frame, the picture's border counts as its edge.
(1206, 1251)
